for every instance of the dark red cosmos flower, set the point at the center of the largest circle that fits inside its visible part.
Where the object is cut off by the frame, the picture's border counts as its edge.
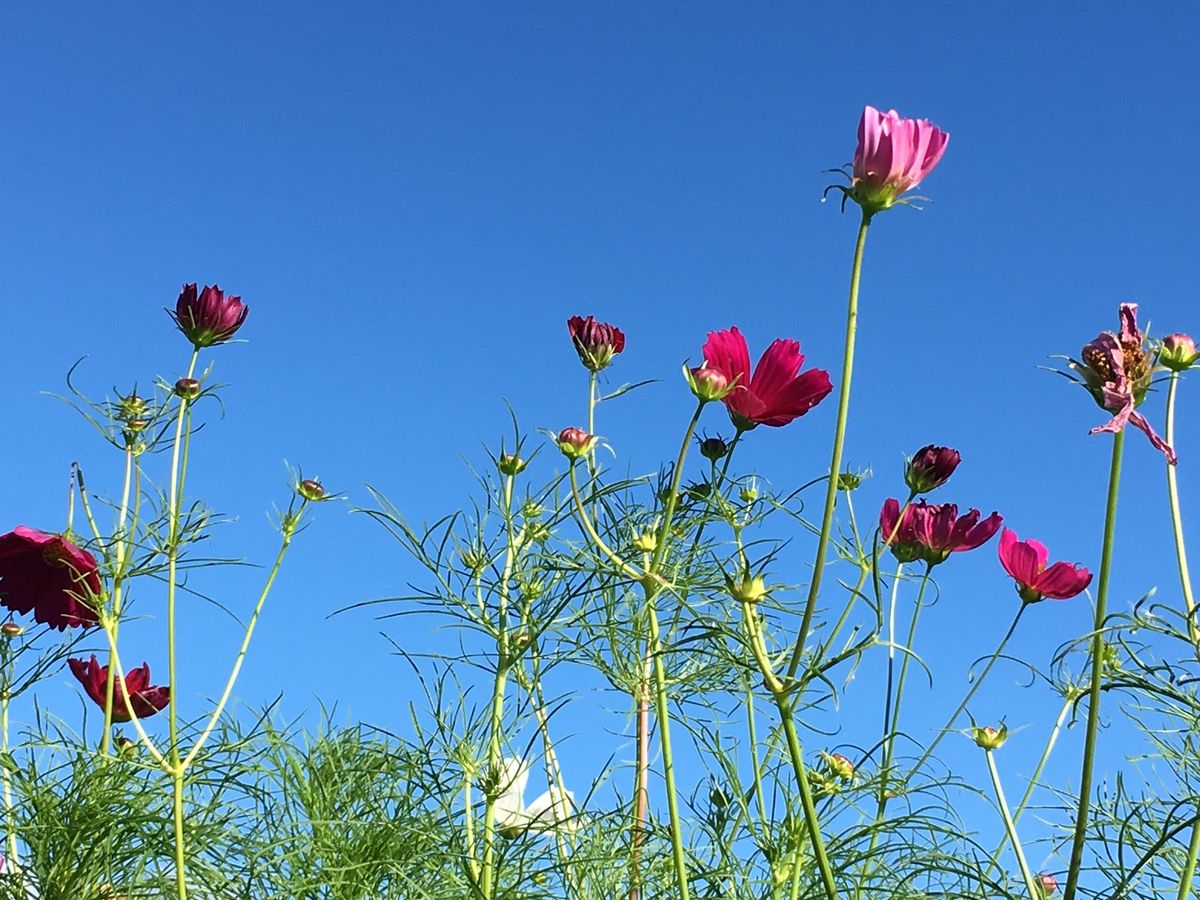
(1026, 562)
(49, 576)
(210, 317)
(147, 699)
(777, 392)
(595, 342)
(930, 467)
(932, 531)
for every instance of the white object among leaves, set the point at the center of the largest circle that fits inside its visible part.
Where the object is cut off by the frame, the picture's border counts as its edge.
(552, 810)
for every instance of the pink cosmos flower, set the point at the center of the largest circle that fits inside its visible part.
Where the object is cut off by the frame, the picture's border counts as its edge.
(930, 468)
(147, 699)
(49, 576)
(777, 392)
(1026, 561)
(932, 531)
(595, 342)
(894, 155)
(1117, 371)
(209, 317)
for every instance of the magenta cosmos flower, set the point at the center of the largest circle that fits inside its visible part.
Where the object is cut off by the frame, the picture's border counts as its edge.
(777, 392)
(932, 531)
(1026, 562)
(930, 468)
(49, 576)
(147, 699)
(1117, 370)
(208, 317)
(894, 155)
(595, 342)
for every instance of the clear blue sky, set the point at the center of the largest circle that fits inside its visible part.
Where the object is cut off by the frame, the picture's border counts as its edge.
(414, 197)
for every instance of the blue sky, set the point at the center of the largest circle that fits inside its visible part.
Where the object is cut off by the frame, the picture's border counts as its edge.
(414, 197)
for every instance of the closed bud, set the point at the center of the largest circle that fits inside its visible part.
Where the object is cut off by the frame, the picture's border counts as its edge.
(840, 766)
(510, 464)
(311, 489)
(749, 493)
(187, 388)
(751, 588)
(1047, 884)
(713, 448)
(132, 408)
(1178, 352)
(990, 738)
(930, 467)
(646, 541)
(11, 630)
(124, 745)
(849, 481)
(707, 384)
(575, 443)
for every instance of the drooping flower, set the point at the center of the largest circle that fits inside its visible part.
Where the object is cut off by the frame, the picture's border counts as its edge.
(595, 342)
(930, 468)
(777, 392)
(932, 531)
(1178, 352)
(49, 576)
(208, 317)
(1026, 562)
(1117, 370)
(552, 810)
(147, 699)
(893, 156)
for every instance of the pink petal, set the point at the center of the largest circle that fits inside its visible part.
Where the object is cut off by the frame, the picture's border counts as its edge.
(726, 351)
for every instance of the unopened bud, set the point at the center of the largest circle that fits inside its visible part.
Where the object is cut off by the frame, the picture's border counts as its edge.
(124, 745)
(751, 589)
(1178, 352)
(510, 464)
(575, 443)
(749, 493)
(187, 388)
(646, 541)
(1047, 883)
(990, 738)
(11, 630)
(930, 467)
(713, 448)
(707, 384)
(131, 407)
(840, 766)
(849, 481)
(521, 640)
(311, 489)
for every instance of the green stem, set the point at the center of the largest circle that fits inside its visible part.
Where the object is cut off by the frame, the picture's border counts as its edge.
(839, 439)
(591, 421)
(10, 831)
(974, 688)
(120, 553)
(1189, 869)
(894, 725)
(1035, 893)
(177, 803)
(1097, 661)
(796, 752)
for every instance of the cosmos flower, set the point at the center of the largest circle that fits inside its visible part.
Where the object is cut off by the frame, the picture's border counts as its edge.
(930, 468)
(147, 699)
(49, 576)
(894, 155)
(208, 317)
(595, 342)
(931, 532)
(1026, 562)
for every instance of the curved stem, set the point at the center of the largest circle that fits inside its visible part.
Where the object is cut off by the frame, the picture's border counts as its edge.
(627, 570)
(1010, 827)
(1097, 660)
(839, 439)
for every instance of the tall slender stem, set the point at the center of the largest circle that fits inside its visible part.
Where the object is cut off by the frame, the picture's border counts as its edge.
(893, 726)
(120, 553)
(1097, 661)
(1010, 827)
(10, 831)
(839, 439)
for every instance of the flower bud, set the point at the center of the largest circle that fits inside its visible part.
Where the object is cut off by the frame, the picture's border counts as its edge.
(707, 384)
(11, 630)
(208, 317)
(510, 464)
(187, 388)
(132, 408)
(575, 443)
(311, 489)
(647, 542)
(124, 745)
(698, 490)
(1047, 883)
(595, 342)
(840, 766)
(990, 738)
(930, 467)
(849, 481)
(751, 589)
(713, 448)
(749, 493)
(1178, 352)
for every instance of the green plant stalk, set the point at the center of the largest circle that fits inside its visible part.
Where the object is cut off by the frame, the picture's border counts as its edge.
(175, 500)
(118, 585)
(1010, 828)
(893, 725)
(796, 752)
(1189, 603)
(10, 831)
(974, 689)
(839, 439)
(1097, 654)
(133, 716)
(591, 421)
(487, 875)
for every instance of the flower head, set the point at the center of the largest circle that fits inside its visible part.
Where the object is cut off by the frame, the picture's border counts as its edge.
(894, 155)
(147, 699)
(1117, 370)
(550, 811)
(713, 448)
(989, 738)
(1178, 352)
(777, 392)
(930, 467)
(708, 384)
(1026, 562)
(208, 317)
(575, 443)
(49, 576)
(932, 531)
(595, 342)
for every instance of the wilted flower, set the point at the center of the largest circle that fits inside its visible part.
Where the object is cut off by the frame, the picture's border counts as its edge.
(549, 811)
(147, 699)
(930, 468)
(777, 392)
(1117, 370)
(595, 342)
(1026, 561)
(931, 532)
(575, 443)
(893, 156)
(1178, 352)
(209, 317)
(990, 738)
(49, 576)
